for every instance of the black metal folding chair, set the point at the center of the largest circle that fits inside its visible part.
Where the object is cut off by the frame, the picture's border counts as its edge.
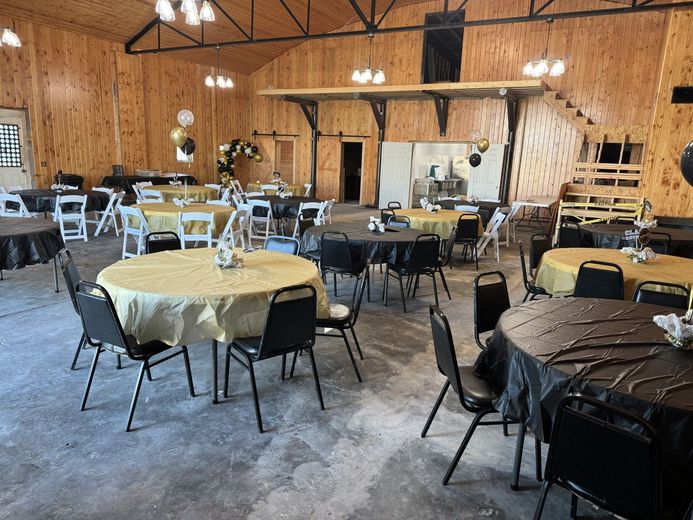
(162, 241)
(604, 280)
(282, 244)
(677, 296)
(569, 235)
(530, 287)
(467, 234)
(490, 301)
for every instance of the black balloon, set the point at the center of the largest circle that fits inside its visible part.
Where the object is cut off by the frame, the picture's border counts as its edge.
(220, 169)
(475, 160)
(253, 149)
(687, 163)
(231, 160)
(188, 147)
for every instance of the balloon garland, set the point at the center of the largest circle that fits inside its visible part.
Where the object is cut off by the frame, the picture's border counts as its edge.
(227, 157)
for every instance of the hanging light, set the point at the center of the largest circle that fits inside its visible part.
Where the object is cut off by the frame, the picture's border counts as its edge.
(363, 76)
(537, 68)
(379, 77)
(189, 9)
(192, 17)
(356, 75)
(209, 80)
(219, 79)
(206, 13)
(187, 6)
(165, 10)
(9, 37)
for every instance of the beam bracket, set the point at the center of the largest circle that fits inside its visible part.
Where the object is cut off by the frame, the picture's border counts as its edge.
(442, 104)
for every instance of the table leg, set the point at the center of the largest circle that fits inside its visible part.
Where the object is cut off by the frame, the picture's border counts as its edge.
(55, 273)
(215, 346)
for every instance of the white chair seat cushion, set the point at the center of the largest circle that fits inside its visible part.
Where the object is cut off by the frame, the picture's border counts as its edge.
(339, 311)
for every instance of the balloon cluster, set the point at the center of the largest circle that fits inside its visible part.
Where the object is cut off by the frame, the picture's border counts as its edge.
(482, 145)
(179, 135)
(228, 153)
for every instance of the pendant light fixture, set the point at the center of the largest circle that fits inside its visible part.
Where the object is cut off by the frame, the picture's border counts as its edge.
(189, 9)
(363, 76)
(537, 68)
(219, 80)
(10, 38)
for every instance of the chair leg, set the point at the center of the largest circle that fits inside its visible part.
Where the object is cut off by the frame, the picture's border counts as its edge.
(351, 356)
(463, 446)
(226, 372)
(149, 374)
(432, 415)
(537, 459)
(386, 284)
(505, 427)
(283, 365)
(401, 290)
(475, 252)
(525, 298)
(258, 416)
(542, 499)
(519, 446)
(119, 364)
(293, 365)
(315, 376)
(82, 341)
(435, 288)
(573, 506)
(445, 283)
(136, 394)
(188, 372)
(90, 378)
(334, 279)
(358, 347)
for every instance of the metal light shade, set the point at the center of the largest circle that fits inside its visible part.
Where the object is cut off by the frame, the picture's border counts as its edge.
(166, 12)
(187, 6)
(528, 70)
(206, 12)
(209, 81)
(229, 83)
(356, 76)
(221, 82)
(379, 77)
(557, 69)
(192, 18)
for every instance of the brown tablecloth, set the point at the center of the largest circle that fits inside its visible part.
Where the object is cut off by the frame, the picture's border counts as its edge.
(541, 351)
(28, 241)
(612, 236)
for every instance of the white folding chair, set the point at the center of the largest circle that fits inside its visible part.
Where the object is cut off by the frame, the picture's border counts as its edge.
(491, 233)
(196, 216)
(237, 199)
(140, 186)
(236, 185)
(269, 187)
(2, 190)
(77, 218)
(6, 212)
(234, 231)
(260, 226)
(134, 225)
(467, 209)
(252, 194)
(218, 203)
(510, 223)
(327, 212)
(308, 186)
(151, 195)
(109, 215)
(226, 195)
(214, 187)
(319, 218)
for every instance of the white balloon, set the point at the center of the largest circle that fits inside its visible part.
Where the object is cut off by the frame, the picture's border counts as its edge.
(186, 118)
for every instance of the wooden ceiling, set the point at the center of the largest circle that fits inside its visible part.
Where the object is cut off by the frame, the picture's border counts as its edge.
(120, 20)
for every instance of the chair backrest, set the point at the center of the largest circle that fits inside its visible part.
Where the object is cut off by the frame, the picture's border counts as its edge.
(144, 184)
(335, 250)
(16, 199)
(2, 190)
(269, 187)
(606, 455)
(237, 186)
(523, 266)
(71, 275)
(70, 199)
(327, 210)
(237, 199)
(151, 195)
(484, 214)
(99, 318)
(386, 215)
(229, 233)
(218, 203)
(539, 243)
(399, 221)
(467, 208)
(660, 242)
(495, 223)
(264, 205)
(425, 252)
(251, 194)
(128, 214)
(290, 321)
(393, 204)
(357, 296)
(195, 216)
(605, 281)
(117, 200)
(214, 187)
(282, 244)
(490, 301)
(569, 235)
(678, 295)
(308, 187)
(444, 347)
(226, 195)
(312, 210)
(102, 189)
(467, 228)
(162, 241)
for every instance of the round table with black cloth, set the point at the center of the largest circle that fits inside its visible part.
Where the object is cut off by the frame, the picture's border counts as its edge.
(544, 350)
(613, 236)
(126, 182)
(394, 245)
(28, 241)
(43, 201)
(285, 208)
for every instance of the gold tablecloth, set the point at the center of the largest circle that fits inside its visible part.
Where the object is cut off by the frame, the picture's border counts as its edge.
(441, 223)
(199, 193)
(181, 297)
(559, 268)
(296, 189)
(163, 216)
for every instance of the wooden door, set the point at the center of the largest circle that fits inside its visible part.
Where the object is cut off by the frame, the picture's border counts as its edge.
(15, 160)
(329, 176)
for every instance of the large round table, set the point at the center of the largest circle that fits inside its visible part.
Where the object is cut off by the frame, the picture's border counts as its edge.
(441, 223)
(296, 189)
(126, 182)
(182, 297)
(163, 216)
(544, 350)
(558, 269)
(197, 193)
(28, 241)
(43, 201)
(393, 246)
(285, 208)
(613, 236)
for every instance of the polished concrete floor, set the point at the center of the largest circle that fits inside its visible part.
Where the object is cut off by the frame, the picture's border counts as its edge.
(362, 457)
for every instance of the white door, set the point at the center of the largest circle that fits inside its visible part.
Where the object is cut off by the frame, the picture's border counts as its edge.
(395, 174)
(485, 179)
(14, 160)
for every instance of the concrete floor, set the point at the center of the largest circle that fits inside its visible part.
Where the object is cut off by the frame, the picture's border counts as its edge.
(360, 458)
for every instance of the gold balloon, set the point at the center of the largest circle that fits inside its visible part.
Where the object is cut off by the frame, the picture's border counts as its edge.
(178, 136)
(258, 157)
(482, 144)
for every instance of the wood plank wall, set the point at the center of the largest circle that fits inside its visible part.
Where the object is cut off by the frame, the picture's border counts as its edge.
(92, 106)
(672, 127)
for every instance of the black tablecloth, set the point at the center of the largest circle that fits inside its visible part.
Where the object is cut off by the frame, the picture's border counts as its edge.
(392, 246)
(286, 208)
(126, 182)
(40, 201)
(612, 236)
(28, 241)
(542, 351)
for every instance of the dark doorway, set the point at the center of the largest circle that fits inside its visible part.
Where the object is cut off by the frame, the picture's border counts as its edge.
(352, 157)
(442, 50)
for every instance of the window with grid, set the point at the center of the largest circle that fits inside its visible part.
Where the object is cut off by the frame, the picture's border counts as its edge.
(10, 149)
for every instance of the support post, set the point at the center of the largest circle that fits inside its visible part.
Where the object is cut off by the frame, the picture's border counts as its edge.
(512, 104)
(310, 110)
(379, 108)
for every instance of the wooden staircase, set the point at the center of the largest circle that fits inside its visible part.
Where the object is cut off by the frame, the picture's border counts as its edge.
(567, 110)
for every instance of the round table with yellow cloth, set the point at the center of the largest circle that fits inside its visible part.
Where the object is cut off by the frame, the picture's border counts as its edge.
(198, 193)
(163, 216)
(558, 269)
(296, 189)
(441, 223)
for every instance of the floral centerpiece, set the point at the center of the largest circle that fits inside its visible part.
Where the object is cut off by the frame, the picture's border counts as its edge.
(679, 329)
(376, 226)
(431, 208)
(175, 184)
(183, 203)
(60, 187)
(639, 256)
(226, 257)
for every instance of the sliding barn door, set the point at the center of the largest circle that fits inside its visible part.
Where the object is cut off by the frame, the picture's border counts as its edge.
(395, 173)
(329, 169)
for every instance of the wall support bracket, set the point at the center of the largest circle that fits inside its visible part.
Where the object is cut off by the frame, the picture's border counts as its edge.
(442, 104)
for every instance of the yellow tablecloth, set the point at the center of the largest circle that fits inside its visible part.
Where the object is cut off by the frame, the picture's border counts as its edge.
(163, 216)
(181, 297)
(296, 189)
(559, 268)
(199, 193)
(441, 223)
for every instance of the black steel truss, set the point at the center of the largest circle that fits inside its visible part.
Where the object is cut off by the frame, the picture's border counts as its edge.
(536, 11)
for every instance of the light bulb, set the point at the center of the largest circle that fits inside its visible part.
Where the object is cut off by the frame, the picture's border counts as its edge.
(541, 68)
(379, 77)
(166, 12)
(187, 6)
(362, 77)
(557, 69)
(192, 17)
(229, 83)
(528, 70)
(356, 76)
(206, 13)
(209, 81)
(221, 82)
(10, 38)
(367, 74)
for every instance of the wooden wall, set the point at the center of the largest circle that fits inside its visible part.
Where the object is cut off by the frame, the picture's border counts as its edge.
(92, 106)
(672, 126)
